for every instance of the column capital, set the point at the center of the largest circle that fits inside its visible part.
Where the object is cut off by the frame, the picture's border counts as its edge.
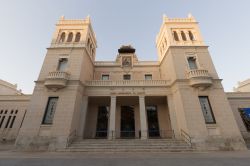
(141, 96)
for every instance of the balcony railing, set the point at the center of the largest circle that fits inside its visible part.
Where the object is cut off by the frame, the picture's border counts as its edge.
(56, 80)
(67, 44)
(199, 77)
(127, 83)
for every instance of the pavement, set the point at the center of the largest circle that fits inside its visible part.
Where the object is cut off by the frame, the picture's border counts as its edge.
(10, 157)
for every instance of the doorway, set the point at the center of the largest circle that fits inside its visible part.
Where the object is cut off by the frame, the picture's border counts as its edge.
(102, 122)
(153, 125)
(127, 122)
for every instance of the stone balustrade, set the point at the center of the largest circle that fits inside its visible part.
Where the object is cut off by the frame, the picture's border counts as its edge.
(197, 73)
(56, 80)
(127, 83)
(199, 78)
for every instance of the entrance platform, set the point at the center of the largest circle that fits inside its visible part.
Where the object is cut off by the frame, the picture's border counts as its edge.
(128, 145)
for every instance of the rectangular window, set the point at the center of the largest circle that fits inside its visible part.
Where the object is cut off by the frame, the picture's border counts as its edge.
(206, 110)
(105, 77)
(192, 63)
(62, 65)
(50, 110)
(245, 115)
(148, 76)
(126, 77)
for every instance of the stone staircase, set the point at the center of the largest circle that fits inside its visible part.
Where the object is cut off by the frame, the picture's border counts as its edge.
(128, 145)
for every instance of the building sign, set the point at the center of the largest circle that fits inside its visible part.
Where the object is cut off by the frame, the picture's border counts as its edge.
(245, 115)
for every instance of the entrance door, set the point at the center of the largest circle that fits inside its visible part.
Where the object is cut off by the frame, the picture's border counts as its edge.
(102, 122)
(153, 125)
(127, 122)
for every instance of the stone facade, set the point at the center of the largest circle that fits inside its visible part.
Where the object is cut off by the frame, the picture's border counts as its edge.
(180, 96)
(243, 86)
(13, 106)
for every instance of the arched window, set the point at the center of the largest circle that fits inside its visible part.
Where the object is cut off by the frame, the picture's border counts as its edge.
(62, 37)
(176, 38)
(70, 37)
(183, 36)
(78, 37)
(191, 36)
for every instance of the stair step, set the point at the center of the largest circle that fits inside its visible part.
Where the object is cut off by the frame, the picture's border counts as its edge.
(133, 145)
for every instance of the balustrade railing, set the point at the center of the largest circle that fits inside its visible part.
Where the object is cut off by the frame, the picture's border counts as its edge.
(197, 73)
(58, 75)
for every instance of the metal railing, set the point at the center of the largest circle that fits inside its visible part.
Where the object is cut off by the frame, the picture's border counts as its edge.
(71, 137)
(186, 137)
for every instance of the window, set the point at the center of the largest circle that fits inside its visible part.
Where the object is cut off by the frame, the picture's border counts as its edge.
(105, 77)
(245, 115)
(176, 38)
(70, 37)
(50, 110)
(191, 36)
(78, 37)
(183, 36)
(206, 110)
(62, 37)
(126, 77)
(148, 76)
(62, 65)
(192, 63)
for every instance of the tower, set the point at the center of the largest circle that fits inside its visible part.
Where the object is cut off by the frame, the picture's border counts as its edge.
(199, 103)
(53, 114)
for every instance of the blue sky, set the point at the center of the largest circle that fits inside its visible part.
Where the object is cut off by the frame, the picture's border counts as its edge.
(27, 27)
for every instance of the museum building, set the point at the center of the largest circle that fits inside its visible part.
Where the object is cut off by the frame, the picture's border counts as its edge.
(177, 97)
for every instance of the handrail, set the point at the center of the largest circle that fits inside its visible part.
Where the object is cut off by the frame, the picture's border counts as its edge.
(186, 137)
(69, 139)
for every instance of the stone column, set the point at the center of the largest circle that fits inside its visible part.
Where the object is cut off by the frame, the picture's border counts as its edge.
(143, 118)
(111, 132)
(173, 118)
(83, 115)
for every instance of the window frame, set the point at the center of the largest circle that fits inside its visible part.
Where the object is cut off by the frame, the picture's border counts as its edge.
(211, 110)
(46, 110)
(103, 75)
(59, 64)
(126, 75)
(196, 61)
(145, 75)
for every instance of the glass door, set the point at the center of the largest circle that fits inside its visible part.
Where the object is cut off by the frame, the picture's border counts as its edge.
(102, 122)
(127, 122)
(153, 125)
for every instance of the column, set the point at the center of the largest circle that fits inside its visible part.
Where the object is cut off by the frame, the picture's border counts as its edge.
(143, 118)
(173, 118)
(111, 133)
(83, 114)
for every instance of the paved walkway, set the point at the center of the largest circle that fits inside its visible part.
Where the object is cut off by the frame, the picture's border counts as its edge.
(8, 158)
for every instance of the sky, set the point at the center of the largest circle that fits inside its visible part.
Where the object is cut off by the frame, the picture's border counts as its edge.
(27, 26)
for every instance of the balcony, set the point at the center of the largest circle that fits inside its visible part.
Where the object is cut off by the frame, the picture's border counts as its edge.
(199, 78)
(56, 80)
(127, 83)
